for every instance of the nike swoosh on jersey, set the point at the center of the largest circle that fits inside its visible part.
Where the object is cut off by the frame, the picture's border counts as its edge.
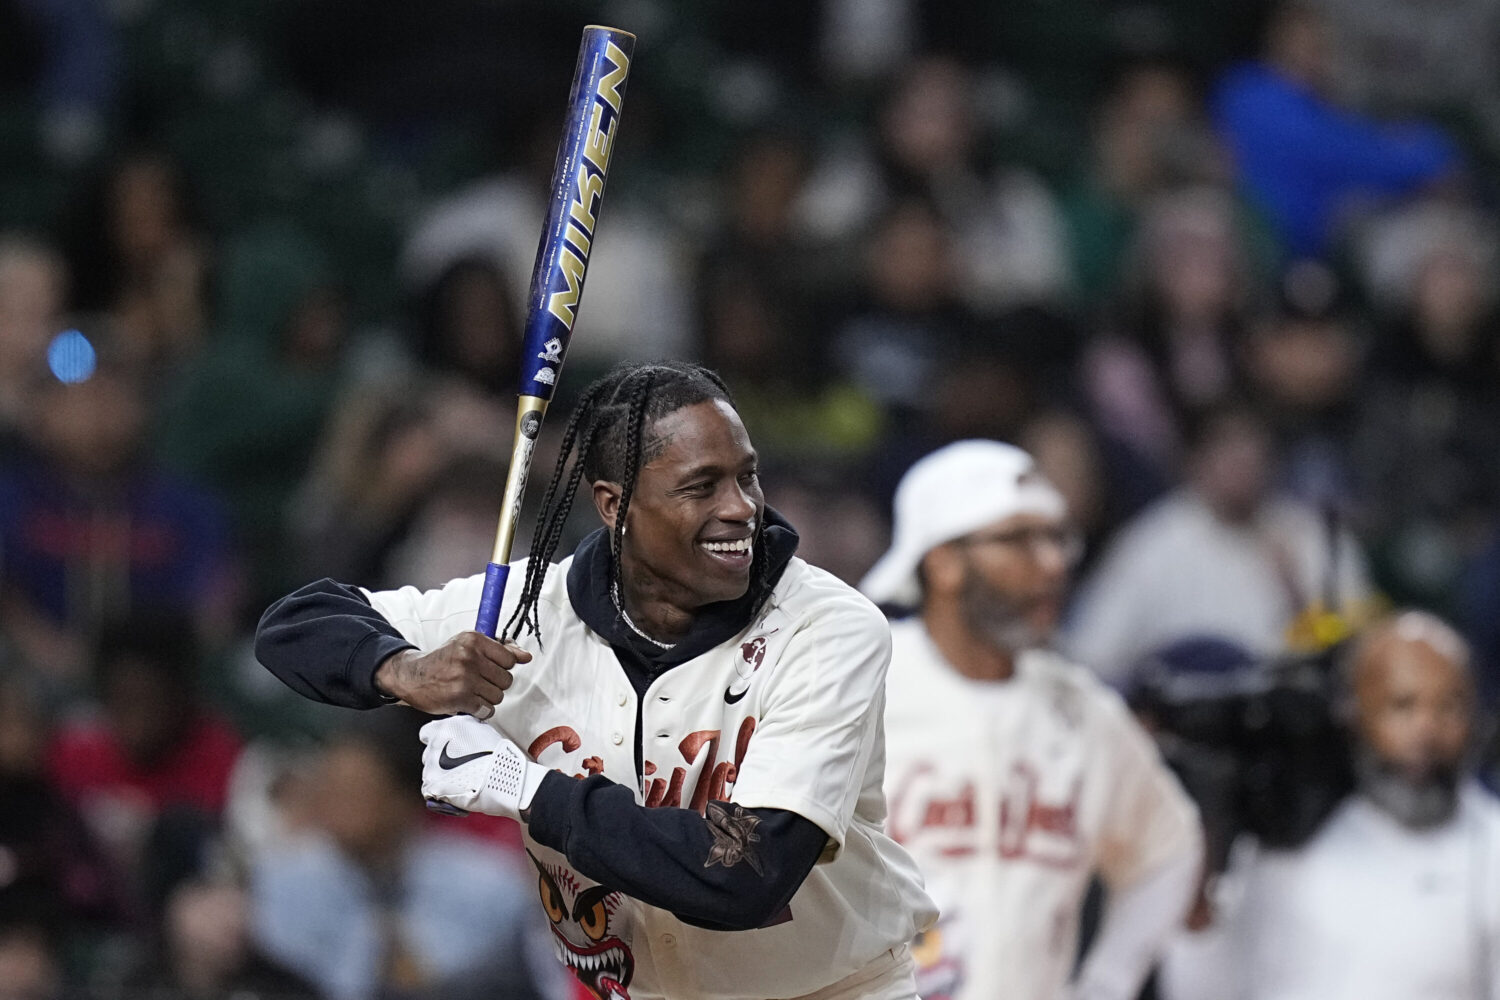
(449, 763)
(730, 697)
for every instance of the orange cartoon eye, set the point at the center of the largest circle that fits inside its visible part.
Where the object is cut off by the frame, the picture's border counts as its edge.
(552, 900)
(591, 913)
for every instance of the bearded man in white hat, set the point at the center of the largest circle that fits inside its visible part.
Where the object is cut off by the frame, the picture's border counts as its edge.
(1013, 776)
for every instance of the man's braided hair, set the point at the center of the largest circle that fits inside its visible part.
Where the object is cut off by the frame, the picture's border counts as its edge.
(607, 437)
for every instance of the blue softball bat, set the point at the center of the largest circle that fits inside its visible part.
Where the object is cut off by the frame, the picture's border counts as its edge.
(562, 261)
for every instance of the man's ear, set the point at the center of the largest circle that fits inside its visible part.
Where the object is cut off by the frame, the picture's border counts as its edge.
(607, 501)
(943, 570)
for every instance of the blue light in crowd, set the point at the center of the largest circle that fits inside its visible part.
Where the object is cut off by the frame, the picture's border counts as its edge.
(71, 357)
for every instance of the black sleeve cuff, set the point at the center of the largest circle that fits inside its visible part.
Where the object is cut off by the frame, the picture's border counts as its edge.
(551, 808)
(325, 641)
(364, 659)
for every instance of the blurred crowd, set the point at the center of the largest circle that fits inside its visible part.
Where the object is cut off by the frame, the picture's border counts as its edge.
(1228, 270)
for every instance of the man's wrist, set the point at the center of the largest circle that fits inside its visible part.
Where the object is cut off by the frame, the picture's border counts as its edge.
(386, 679)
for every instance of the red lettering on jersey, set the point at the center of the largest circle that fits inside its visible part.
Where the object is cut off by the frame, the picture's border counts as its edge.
(727, 773)
(957, 811)
(714, 778)
(724, 773)
(1043, 832)
(666, 794)
(742, 743)
(899, 832)
(1054, 819)
(690, 747)
(557, 734)
(693, 742)
(593, 765)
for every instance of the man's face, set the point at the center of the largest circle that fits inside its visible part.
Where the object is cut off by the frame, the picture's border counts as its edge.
(1231, 469)
(93, 429)
(1413, 711)
(145, 709)
(1414, 707)
(359, 805)
(1014, 577)
(696, 510)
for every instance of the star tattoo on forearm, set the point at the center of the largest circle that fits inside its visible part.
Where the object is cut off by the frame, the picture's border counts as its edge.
(734, 838)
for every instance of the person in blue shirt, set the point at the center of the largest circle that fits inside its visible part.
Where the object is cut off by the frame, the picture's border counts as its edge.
(1301, 156)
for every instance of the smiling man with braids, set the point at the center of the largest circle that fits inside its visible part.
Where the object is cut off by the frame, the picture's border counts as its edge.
(687, 724)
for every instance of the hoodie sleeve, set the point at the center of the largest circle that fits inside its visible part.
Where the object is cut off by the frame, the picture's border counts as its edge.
(325, 642)
(731, 869)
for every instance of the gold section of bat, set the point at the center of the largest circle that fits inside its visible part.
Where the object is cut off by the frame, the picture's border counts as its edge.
(529, 414)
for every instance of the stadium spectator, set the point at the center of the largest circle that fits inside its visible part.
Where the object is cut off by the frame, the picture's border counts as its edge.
(1414, 56)
(92, 529)
(205, 951)
(377, 901)
(81, 74)
(149, 770)
(1304, 362)
(1429, 422)
(1222, 555)
(908, 314)
(33, 297)
(1150, 135)
(30, 962)
(1303, 158)
(399, 425)
(1397, 895)
(1172, 349)
(760, 293)
(140, 256)
(1009, 239)
(247, 415)
(53, 869)
(1070, 456)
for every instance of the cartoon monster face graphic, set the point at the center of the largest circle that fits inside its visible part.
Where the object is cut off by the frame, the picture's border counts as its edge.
(581, 918)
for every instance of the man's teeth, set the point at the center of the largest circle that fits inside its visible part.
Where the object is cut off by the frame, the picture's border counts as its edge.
(742, 545)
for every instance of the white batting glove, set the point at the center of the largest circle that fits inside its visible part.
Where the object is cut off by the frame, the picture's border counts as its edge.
(468, 767)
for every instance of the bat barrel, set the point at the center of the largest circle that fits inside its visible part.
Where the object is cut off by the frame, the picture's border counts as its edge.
(583, 158)
(578, 180)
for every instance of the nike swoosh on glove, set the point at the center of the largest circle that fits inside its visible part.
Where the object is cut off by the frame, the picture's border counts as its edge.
(469, 766)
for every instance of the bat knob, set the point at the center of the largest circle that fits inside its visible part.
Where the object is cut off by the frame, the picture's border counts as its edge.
(445, 808)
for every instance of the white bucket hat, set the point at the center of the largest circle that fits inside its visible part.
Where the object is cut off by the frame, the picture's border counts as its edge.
(947, 494)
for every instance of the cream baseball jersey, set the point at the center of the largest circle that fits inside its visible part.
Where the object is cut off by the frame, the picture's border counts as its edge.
(786, 715)
(1010, 795)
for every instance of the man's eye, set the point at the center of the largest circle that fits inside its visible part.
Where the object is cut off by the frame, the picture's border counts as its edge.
(750, 477)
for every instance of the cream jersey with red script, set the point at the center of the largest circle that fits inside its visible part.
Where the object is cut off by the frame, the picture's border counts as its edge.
(1010, 795)
(786, 715)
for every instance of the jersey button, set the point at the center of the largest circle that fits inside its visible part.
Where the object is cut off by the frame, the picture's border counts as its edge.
(617, 739)
(623, 700)
(668, 940)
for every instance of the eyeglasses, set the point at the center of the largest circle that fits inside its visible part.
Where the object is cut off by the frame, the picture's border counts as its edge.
(1067, 541)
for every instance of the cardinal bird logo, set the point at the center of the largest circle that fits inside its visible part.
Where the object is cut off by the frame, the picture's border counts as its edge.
(752, 655)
